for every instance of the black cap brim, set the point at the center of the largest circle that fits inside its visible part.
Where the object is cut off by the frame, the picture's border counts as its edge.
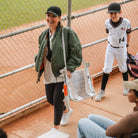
(52, 13)
(113, 11)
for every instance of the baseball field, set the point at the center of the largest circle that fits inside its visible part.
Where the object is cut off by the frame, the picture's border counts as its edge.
(20, 11)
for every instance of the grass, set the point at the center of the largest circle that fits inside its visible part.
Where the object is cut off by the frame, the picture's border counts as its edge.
(18, 12)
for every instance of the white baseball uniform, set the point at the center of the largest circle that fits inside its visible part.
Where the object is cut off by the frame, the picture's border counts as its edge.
(117, 40)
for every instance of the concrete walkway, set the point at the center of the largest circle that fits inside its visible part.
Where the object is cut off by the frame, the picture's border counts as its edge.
(113, 106)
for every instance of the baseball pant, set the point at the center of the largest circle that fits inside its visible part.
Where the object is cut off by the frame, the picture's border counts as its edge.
(120, 54)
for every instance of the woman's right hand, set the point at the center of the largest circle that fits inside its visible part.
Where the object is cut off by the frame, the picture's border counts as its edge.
(69, 74)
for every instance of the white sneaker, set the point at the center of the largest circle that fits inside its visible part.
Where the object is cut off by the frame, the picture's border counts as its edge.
(65, 117)
(100, 95)
(125, 91)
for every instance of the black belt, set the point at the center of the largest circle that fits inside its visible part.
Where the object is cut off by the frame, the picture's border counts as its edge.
(115, 46)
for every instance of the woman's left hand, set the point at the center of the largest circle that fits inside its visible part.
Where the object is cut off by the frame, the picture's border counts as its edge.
(69, 74)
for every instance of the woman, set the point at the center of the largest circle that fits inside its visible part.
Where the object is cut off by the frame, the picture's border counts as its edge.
(96, 126)
(50, 60)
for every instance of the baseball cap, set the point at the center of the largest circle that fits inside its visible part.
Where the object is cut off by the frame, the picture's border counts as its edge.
(56, 11)
(114, 7)
(131, 84)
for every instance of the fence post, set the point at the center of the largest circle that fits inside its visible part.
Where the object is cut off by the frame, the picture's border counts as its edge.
(69, 13)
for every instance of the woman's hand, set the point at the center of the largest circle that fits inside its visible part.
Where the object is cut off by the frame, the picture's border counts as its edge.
(69, 74)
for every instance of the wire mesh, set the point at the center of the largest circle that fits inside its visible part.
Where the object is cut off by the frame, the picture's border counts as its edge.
(18, 51)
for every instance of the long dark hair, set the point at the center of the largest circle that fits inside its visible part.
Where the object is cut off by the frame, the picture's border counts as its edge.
(136, 92)
(49, 53)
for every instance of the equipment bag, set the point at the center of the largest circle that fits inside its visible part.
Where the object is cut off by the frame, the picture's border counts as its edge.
(132, 64)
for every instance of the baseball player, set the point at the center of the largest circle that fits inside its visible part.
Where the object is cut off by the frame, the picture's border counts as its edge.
(118, 30)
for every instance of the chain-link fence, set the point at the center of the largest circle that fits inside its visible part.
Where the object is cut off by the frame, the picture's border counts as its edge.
(21, 23)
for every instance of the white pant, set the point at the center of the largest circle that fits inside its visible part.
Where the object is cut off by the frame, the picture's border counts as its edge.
(121, 56)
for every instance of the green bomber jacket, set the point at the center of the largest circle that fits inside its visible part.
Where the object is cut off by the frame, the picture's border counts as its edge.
(73, 51)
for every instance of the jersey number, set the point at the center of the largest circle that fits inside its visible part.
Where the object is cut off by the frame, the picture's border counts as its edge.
(121, 39)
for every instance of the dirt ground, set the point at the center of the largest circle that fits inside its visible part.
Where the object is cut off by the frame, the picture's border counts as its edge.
(114, 106)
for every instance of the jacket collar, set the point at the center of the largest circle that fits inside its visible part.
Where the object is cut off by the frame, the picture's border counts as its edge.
(118, 23)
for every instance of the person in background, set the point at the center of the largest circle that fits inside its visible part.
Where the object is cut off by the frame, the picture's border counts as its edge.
(96, 126)
(3, 134)
(118, 29)
(50, 60)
